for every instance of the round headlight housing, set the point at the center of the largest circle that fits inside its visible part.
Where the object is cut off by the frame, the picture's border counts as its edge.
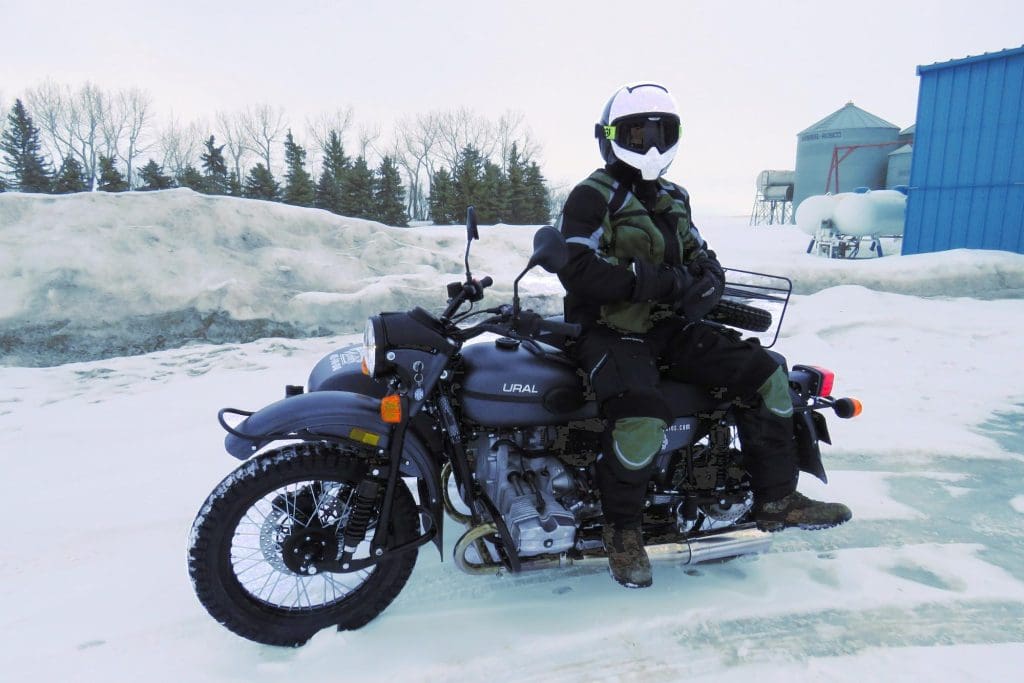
(370, 348)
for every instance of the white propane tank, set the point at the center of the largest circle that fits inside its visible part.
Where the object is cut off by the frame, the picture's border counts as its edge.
(817, 208)
(879, 212)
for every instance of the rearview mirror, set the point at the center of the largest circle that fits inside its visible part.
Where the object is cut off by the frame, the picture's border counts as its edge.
(550, 251)
(471, 232)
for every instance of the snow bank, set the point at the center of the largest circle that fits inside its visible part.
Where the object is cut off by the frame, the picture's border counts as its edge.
(98, 275)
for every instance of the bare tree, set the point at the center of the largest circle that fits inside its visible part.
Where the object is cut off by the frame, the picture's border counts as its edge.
(50, 105)
(512, 129)
(72, 121)
(321, 126)
(179, 145)
(232, 131)
(368, 134)
(135, 107)
(3, 115)
(89, 110)
(264, 125)
(414, 147)
(461, 128)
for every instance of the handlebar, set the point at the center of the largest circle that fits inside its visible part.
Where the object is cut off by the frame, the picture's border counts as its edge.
(555, 327)
(471, 290)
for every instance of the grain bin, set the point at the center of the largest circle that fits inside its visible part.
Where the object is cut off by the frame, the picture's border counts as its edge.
(860, 140)
(898, 172)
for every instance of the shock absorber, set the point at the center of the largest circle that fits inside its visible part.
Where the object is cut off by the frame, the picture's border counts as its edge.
(359, 518)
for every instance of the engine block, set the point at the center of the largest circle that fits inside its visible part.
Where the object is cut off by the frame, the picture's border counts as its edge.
(526, 487)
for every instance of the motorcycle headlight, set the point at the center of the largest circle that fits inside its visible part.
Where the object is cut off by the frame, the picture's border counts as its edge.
(370, 348)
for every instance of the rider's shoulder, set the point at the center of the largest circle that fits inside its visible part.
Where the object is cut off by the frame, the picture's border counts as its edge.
(674, 189)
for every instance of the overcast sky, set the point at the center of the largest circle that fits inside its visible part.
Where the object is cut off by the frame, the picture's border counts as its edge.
(748, 76)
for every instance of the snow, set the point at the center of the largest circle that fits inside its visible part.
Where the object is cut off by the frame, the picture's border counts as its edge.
(96, 275)
(105, 462)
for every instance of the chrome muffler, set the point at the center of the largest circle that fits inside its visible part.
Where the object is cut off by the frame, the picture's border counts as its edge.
(719, 545)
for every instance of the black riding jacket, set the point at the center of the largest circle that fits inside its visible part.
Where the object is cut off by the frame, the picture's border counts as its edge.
(610, 219)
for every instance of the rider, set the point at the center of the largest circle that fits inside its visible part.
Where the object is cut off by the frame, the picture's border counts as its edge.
(639, 279)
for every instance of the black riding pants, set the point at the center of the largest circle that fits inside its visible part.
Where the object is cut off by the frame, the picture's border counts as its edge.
(624, 371)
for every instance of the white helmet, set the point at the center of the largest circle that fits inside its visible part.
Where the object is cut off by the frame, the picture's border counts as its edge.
(640, 127)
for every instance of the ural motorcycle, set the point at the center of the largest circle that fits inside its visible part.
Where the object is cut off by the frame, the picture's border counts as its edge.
(502, 435)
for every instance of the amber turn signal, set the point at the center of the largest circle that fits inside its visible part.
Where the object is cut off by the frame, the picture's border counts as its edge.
(391, 409)
(847, 408)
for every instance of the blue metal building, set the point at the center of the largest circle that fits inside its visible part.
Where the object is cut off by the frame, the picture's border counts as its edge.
(967, 173)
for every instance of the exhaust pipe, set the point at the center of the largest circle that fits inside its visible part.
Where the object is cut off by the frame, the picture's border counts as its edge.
(728, 544)
(723, 545)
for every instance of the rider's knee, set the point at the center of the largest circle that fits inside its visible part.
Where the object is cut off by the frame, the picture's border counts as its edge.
(775, 394)
(636, 440)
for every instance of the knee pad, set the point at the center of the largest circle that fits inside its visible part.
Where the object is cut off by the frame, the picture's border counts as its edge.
(636, 440)
(775, 394)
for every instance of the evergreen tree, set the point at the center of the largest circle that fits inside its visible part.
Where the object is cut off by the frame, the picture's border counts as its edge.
(298, 188)
(467, 176)
(110, 179)
(389, 195)
(260, 184)
(215, 169)
(234, 184)
(538, 201)
(491, 204)
(357, 195)
(70, 178)
(515, 187)
(21, 147)
(331, 185)
(191, 178)
(153, 177)
(442, 198)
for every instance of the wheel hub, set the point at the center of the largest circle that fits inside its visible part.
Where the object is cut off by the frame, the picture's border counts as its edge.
(305, 547)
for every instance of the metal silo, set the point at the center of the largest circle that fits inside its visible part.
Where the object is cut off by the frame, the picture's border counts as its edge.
(847, 149)
(907, 134)
(898, 172)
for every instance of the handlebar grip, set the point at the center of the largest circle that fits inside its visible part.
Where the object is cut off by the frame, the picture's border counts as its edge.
(567, 329)
(486, 282)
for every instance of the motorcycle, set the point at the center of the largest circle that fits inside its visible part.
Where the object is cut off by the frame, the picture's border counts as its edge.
(501, 435)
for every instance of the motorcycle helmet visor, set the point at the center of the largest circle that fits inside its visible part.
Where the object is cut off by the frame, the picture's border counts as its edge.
(641, 132)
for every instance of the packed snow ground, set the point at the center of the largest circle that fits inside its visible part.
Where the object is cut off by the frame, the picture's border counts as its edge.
(105, 463)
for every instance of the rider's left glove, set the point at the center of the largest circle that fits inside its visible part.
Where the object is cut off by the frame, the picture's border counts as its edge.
(707, 288)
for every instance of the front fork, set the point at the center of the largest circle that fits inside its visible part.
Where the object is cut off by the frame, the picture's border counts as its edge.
(365, 501)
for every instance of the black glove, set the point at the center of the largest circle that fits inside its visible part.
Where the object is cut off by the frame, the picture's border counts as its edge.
(661, 284)
(706, 289)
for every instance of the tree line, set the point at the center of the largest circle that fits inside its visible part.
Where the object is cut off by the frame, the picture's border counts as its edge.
(60, 140)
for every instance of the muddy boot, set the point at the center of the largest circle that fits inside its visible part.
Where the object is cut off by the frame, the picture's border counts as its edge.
(797, 510)
(627, 559)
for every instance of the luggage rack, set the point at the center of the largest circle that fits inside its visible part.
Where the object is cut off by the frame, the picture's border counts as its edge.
(763, 291)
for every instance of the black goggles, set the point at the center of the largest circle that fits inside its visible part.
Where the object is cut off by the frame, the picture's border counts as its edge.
(641, 132)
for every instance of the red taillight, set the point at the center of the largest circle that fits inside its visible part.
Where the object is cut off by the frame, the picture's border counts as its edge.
(828, 380)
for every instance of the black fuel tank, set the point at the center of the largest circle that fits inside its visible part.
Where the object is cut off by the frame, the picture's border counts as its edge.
(505, 385)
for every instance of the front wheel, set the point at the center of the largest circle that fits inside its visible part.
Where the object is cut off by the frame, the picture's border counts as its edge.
(255, 542)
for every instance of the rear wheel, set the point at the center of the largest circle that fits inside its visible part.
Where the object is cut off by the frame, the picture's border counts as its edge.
(256, 541)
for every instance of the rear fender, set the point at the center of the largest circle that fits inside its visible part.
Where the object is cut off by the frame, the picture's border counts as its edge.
(339, 416)
(809, 428)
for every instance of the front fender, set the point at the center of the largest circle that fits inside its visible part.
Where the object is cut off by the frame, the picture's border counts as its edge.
(333, 415)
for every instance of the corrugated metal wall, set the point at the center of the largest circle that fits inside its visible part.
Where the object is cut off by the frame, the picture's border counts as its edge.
(967, 173)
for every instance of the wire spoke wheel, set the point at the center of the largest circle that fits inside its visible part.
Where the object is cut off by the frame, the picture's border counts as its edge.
(282, 535)
(257, 542)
